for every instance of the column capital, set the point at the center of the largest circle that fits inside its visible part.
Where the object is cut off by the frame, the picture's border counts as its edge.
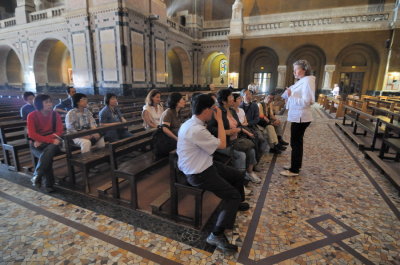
(330, 67)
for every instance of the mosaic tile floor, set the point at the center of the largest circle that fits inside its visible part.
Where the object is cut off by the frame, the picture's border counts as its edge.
(340, 210)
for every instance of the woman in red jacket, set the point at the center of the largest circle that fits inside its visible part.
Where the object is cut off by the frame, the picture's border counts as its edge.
(44, 129)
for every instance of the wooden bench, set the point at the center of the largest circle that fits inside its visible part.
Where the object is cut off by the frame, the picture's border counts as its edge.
(365, 121)
(95, 157)
(13, 139)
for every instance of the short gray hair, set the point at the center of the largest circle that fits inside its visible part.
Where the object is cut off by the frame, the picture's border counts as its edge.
(305, 65)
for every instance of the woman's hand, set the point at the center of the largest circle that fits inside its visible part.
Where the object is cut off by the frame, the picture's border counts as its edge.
(248, 133)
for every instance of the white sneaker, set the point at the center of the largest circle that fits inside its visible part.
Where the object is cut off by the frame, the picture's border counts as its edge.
(288, 173)
(252, 179)
(247, 191)
(255, 178)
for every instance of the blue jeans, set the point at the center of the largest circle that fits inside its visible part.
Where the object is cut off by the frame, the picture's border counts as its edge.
(44, 167)
(115, 135)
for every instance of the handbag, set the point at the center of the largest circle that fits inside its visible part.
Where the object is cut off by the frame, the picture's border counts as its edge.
(162, 143)
(243, 144)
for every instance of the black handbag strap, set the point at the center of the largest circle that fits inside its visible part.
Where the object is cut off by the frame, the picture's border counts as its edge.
(54, 121)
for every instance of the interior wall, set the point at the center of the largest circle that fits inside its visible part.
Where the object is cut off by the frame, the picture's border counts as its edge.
(14, 68)
(174, 69)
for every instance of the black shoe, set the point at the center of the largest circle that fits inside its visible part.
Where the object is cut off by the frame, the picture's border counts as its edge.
(36, 181)
(221, 242)
(49, 189)
(282, 142)
(275, 151)
(281, 147)
(243, 206)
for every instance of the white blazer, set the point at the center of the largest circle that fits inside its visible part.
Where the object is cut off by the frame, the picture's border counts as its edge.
(301, 99)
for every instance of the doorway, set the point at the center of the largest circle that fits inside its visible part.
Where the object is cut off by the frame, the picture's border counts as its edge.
(351, 83)
(263, 81)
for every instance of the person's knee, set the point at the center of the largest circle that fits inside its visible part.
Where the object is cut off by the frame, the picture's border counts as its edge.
(85, 145)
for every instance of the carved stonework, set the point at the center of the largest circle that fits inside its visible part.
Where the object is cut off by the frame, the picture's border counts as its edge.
(237, 19)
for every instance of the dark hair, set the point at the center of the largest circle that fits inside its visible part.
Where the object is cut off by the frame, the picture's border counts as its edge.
(107, 98)
(27, 94)
(68, 90)
(201, 102)
(223, 95)
(76, 98)
(236, 96)
(173, 100)
(150, 96)
(38, 102)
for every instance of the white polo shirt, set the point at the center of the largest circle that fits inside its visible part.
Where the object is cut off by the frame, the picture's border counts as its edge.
(301, 99)
(195, 147)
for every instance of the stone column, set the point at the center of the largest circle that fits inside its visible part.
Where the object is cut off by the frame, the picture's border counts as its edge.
(329, 69)
(281, 77)
(22, 11)
(236, 27)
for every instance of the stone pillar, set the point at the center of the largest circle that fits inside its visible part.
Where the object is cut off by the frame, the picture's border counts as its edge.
(22, 11)
(329, 69)
(281, 77)
(236, 27)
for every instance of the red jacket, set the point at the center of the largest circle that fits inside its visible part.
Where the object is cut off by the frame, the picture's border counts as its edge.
(40, 127)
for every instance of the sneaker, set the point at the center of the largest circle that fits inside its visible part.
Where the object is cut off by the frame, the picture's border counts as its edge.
(281, 147)
(247, 191)
(221, 242)
(275, 151)
(253, 177)
(243, 206)
(36, 181)
(288, 173)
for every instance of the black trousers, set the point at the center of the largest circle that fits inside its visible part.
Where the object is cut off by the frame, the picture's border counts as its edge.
(225, 182)
(297, 131)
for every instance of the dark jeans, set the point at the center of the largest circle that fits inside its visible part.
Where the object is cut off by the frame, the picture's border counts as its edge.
(297, 131)
(44, 167)
(115, 135)
(225, 182)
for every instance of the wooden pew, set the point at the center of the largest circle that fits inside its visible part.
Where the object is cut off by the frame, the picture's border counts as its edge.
(90, 159)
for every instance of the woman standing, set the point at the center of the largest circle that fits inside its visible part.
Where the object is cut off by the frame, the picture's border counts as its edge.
(300, 97)
(152, 110)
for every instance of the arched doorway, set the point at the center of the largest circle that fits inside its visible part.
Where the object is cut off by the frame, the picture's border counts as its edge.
(317, 59)
(11, 72)
(262, 69)
(214, 69)
(356, 69)
(52, 66)
(179, 67)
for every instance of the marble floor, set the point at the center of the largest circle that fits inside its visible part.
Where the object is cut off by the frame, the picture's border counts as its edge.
(340, 210)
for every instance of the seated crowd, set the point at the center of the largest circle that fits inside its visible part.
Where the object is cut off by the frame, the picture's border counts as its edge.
(228, 123)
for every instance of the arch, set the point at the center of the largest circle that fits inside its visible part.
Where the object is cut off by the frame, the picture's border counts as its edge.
(317, 59)
(210, 69)
(11, 69)
(52, 65)
(179, 67)
(261, 67)
(357, 67)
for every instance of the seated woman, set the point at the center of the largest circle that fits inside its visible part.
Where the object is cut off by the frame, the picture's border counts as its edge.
(80, 118)
(44, 129)
(242, 160)
(152, 110)
(171, 117)
(111, 115)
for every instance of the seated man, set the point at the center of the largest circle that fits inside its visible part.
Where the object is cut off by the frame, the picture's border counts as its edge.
(80, 118)
(195, 148)
(66, 104)
(44, 129)
(29, 97)
(111, 115)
